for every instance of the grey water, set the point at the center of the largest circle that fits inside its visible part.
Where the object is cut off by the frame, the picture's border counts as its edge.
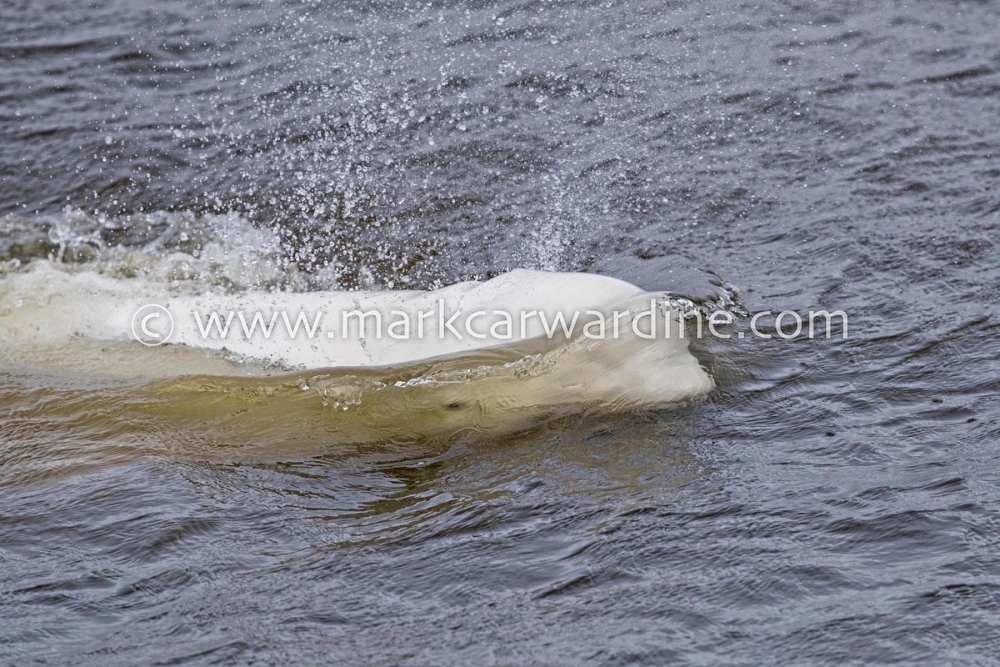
(832, 501)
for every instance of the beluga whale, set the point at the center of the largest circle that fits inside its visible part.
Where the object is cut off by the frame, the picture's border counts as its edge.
(476, 358)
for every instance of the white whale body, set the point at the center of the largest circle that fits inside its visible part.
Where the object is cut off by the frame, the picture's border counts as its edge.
(351, 387)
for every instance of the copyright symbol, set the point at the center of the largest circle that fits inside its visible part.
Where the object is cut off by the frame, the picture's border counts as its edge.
(152, 325)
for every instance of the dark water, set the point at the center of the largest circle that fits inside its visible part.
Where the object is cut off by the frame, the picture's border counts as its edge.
(832, 502)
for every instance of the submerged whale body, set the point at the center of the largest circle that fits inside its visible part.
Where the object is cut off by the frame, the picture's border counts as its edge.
(340, 381)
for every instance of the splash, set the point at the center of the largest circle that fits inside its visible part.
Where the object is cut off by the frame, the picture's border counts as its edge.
(189, 251)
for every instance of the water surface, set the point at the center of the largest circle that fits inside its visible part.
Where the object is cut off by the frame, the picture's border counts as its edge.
(832, 501)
